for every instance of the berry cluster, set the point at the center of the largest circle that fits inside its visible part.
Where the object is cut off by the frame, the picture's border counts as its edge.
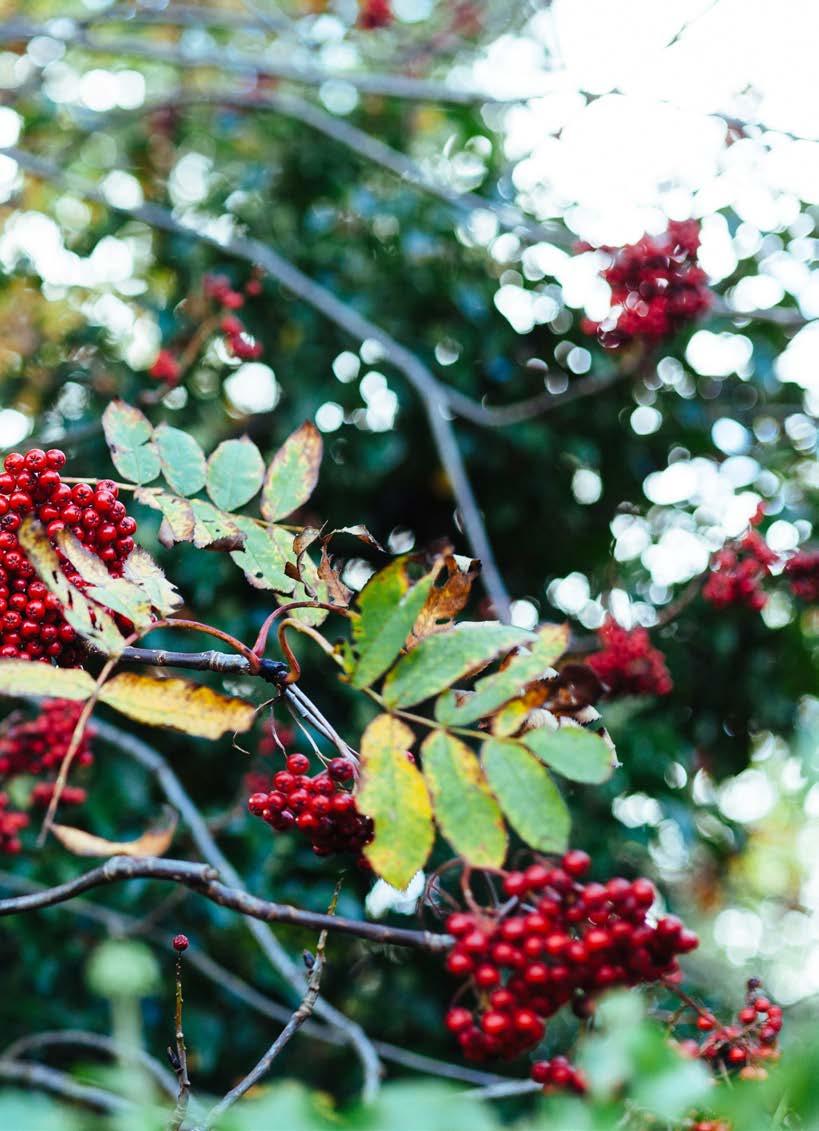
(628, 664)
(38, 746)
(558, 1075)
(374, 14)
(565, 941)
(218, 291)
(11, 823)
(737, 573)
(744, 1046)
(31, 622)
(656, 285)
(802, 572)
(320, 806)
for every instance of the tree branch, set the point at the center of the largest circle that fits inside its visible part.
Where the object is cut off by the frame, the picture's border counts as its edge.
(261, 1069)
(120, 925)
(80, 1038)
(220, 59)
(61, 1084)
(275, 953)
(434, 395)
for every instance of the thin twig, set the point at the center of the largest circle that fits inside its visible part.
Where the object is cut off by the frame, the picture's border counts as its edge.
(223, 60)
(81, 1038)
(179, 1056)
(61, 1084)
(432, 392)
(261, 1069)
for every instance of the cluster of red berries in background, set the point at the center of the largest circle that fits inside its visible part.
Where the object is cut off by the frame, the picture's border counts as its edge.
(322, 807)
(656, 285)
(558, 1075)
(374, 14)
(628, 663)
(11, 822)
(562, 941)
(802, 572)
(32, 625)
(219, 291)
(738, 571)
(744, 1046)
(35, 747)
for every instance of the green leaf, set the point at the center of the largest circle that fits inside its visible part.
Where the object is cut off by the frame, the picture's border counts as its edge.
(527, 795)
(293, 473)
(467, 813)
(183, 461)
(180, 521)
(388, 606)
(438, 661)
(393, 793)
(235, 473)
(129, 436)
(576, 753)
(264, 555)
(495, 690)
(213, 528)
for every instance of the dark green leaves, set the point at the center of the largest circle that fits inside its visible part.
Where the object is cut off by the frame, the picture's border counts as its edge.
(467, 813)
(129, 435)
(438, 661)
(235, 473)
(529, 798)
(393, 793)
(572, 751)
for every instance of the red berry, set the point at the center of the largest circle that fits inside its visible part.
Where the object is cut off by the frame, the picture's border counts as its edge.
(180, 943)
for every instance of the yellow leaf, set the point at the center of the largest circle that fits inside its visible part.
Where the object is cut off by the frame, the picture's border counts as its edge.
(153, 842)
(177, 703)
(20, 677)
(142, 571)
(394, 794)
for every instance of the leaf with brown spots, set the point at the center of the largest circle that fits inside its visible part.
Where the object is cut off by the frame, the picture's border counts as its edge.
(445, 601)
(293, 473)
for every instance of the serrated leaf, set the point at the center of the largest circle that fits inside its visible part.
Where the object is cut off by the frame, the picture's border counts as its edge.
(387, 608)
(178, 704)
(572, 751)
(264, 555)
(91, 621)
(528, 797)
(115, 593)
(141, 569)
(465, 810)
(182, 460)
(495, 690)
(21, 677)
(293, 473)
(446, 601)
(235, 473)
(393, 793)
(438, 661)
(129, 435)
(153, 842)
(213, 529)
(177, 513)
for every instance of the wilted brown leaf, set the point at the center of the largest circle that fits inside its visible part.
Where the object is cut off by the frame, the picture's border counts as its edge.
(445, 601)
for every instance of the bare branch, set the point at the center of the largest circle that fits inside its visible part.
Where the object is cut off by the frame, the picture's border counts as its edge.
(275, 953)
(507, 1088)
(61, 1084)
(501, 416)
(261, 1069)
(228, 60)
(367, 146)
(179, 1056)
(120, 925)
(82, 1039)
(187, 16)
(434, 395)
